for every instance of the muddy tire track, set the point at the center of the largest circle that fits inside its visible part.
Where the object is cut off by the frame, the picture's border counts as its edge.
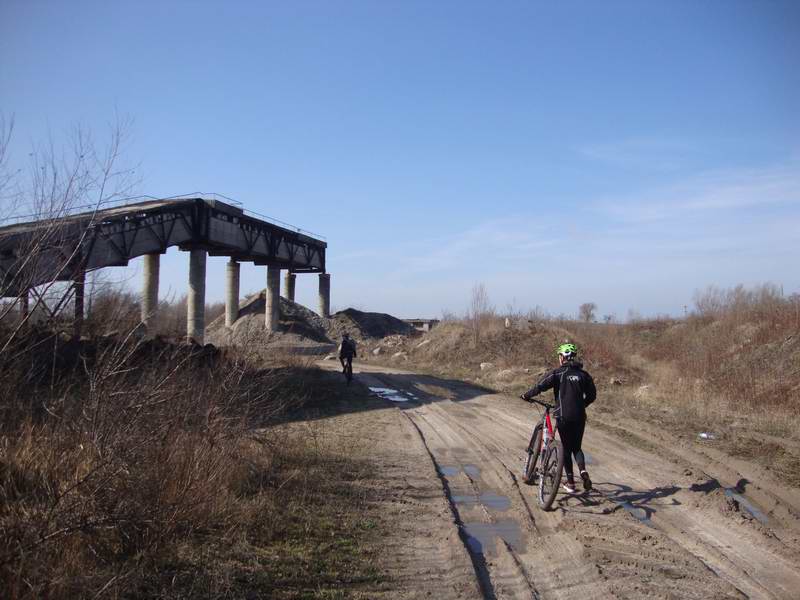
(658, 523)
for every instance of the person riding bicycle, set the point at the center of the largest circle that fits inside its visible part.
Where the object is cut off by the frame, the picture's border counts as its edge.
(347, 352)
(574, 390)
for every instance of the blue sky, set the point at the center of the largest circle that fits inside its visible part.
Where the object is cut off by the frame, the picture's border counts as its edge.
(626, 153)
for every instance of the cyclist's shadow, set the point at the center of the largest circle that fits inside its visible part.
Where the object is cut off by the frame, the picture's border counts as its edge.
(640, 503)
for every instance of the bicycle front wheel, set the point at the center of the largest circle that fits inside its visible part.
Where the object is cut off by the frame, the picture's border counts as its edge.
(534, 449)
(552, 467)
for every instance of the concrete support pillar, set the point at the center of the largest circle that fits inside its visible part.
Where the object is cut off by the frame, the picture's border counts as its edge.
(288, 285)
(24, 305)
(272, 310)
(79, 285)
(231, 292)
(152, 267)
(325, 294)
(196, 300)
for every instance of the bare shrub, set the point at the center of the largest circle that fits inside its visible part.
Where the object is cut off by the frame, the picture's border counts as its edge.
(112, 311)
(586, 312)
(214, 310)
(735, 356)
(81, 175)
(114, 453)
(481, 310)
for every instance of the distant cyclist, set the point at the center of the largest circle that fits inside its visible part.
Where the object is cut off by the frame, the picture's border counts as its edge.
(574, 390)
(347, 352)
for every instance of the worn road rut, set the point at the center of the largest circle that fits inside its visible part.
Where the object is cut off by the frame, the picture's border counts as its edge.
(662, 521)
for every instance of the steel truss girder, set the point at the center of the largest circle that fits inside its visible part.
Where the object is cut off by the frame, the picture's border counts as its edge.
(112, 237)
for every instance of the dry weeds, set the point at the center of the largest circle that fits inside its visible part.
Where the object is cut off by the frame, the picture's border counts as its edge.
(131, 468)
(730, 368)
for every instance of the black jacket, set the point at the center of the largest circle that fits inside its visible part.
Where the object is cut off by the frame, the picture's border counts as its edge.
(347, 349)
(573, 389)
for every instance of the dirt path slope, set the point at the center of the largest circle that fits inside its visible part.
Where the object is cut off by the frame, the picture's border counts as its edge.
(661, 522)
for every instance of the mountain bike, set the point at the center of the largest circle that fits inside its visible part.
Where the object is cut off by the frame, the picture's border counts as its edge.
(347, 369)
(544, 443)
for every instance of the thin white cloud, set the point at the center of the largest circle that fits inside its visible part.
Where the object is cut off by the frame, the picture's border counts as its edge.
(648, 250)
(497, 241)
(639, 153)
(728, 190)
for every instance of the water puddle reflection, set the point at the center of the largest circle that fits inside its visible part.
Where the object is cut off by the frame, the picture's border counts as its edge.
(389, 394)
(471, 471)
(482, 538)
(488, 499)
(639, 513)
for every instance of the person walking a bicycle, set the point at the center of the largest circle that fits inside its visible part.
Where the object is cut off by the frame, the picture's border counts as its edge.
(574, 390)
(347, 352)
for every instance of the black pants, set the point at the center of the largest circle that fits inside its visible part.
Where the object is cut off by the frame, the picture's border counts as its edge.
(571, 433)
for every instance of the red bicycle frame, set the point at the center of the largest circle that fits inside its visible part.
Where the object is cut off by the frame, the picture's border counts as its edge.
(549, 425)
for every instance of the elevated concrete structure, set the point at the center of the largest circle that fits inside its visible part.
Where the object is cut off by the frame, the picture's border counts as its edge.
(196, 299)
(79, 286)
(422, 324)
(232, 274)
(150, 275)
(289, 281)
(39, 252)
(325, 295)
(24, 306)
(272, 306)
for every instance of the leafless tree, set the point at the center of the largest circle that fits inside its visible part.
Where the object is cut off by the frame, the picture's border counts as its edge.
(79, 175)
(7, 176)
(586, 311)
(480, 310)
(794, 300)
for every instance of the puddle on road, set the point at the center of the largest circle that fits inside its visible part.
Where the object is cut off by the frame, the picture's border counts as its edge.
(746, 505)
(638, 513)
(471, 471)
(389, 394)
(488, 499)
(482, 538)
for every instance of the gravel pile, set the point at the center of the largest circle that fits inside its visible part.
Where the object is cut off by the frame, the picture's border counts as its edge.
(300, 325)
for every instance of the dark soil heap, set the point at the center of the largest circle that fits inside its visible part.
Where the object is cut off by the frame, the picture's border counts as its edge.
(366, 325)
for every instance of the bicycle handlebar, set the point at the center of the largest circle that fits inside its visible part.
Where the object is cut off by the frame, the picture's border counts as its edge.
(545, 404)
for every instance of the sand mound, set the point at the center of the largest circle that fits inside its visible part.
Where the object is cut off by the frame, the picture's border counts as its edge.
(300, 325)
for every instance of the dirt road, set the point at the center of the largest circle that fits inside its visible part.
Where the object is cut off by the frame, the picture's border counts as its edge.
(665, 520)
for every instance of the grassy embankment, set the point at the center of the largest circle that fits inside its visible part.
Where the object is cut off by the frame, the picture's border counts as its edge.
(732, 367)
(142, 470)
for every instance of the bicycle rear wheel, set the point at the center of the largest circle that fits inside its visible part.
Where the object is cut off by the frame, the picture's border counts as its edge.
(552, 467)
(348, 372)
(534, 449)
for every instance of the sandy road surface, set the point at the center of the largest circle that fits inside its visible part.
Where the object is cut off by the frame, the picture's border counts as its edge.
(659, 522)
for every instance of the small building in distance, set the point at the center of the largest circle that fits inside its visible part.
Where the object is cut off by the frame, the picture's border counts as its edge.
(422, 324)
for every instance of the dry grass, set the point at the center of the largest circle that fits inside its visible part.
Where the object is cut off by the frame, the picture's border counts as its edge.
(731, 368)
(131, 469)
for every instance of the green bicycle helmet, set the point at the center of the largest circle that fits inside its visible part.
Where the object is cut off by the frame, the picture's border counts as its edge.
(567, 350)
